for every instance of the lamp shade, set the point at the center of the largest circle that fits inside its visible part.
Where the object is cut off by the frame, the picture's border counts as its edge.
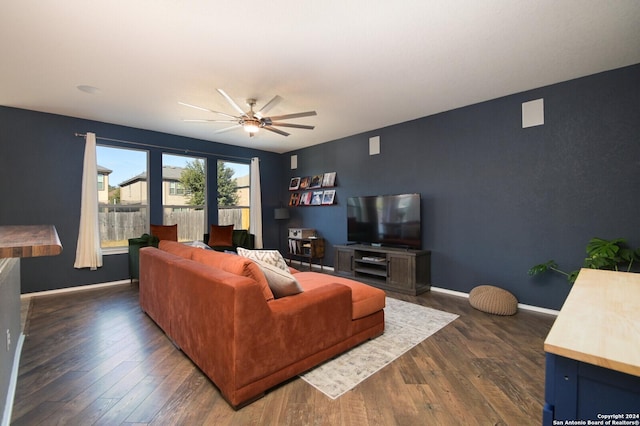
(281, 213)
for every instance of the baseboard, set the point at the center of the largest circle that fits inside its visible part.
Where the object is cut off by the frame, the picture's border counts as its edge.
(520, 305)
(13, 381)
(76, 288)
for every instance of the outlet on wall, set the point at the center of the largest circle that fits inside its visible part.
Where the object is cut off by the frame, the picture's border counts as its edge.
(8, 340)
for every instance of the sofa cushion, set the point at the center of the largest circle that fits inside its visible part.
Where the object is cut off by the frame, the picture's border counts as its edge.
(235, 264)
(272, 257)
(281, 282)
(165, 232)
(221, 236)
(365, 300)
(176, 248)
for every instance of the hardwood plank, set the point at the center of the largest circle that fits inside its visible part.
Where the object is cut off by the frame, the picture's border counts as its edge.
(93, 357)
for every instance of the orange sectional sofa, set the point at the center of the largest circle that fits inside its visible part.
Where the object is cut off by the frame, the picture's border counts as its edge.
(219, 310)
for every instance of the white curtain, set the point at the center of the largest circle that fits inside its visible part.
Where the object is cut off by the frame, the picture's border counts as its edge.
(88, 252)
(255, 219)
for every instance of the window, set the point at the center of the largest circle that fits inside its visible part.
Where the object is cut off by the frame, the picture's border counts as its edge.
(176, 188)
(233, 194)
(122, 195)
(184, 195)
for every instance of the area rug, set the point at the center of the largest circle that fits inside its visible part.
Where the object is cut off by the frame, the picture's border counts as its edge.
(406, 325)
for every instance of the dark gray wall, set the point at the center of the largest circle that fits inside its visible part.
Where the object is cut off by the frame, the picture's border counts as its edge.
(40, 183)
(497, 198)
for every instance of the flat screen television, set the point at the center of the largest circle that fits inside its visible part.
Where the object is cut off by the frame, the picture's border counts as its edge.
(387, 220)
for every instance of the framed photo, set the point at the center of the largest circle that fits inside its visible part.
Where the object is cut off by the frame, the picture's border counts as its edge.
(329, 179)
(316, 198)
(294, 199)
(294, 184)
(304, 182)
(328, 196)
(305, 199)
(316, 181)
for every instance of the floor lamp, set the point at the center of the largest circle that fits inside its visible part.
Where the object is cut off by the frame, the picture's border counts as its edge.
(280, 214)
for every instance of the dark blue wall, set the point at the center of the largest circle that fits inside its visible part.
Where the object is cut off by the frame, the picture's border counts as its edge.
(498, 198)
(40, 183)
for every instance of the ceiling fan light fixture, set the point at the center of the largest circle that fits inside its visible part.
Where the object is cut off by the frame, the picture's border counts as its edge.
(251, 125)
(252, 121)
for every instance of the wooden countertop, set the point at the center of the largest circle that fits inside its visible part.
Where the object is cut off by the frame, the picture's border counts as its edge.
(29, 241)
(600, 321)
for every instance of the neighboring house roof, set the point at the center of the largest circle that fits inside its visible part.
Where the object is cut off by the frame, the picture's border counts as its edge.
(170, 173)
(103, 170)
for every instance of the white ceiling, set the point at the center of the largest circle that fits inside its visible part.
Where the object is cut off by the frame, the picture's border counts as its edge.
(361, 64)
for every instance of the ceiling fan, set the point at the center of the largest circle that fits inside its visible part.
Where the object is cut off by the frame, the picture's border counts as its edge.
(252, 121)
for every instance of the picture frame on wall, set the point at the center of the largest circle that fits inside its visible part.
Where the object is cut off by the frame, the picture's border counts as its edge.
(304, 182)
(305, 199)
(294, 199)
(316, 198)
(328, 196)
(294, 184)
(316, 181)
(329, 179)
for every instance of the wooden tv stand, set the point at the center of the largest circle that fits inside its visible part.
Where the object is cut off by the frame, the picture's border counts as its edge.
(394, 269)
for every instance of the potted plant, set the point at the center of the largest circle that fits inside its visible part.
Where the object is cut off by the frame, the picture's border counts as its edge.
(614, 255)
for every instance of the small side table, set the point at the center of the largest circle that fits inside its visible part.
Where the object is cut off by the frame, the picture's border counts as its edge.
(307, 248)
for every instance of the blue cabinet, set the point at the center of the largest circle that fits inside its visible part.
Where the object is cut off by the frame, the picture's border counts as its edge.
(593, 353)
(577, 390)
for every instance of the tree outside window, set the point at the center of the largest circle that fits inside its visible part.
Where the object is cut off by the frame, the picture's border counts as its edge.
(233, 194)
(184, 195)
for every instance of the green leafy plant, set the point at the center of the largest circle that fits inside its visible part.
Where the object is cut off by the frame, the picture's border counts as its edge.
(614, 255)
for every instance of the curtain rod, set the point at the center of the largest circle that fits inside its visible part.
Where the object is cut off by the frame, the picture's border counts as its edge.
(185, 151)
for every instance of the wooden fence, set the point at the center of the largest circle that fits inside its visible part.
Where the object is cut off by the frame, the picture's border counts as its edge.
(117, 226)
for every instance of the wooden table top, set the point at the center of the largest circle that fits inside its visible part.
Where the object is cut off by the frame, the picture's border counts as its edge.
(29, 241)
(600, 321)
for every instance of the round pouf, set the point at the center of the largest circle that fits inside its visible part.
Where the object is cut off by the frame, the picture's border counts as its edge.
(493, 300)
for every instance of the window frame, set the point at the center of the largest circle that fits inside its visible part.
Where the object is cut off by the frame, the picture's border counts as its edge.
(177, 189)
(245, 218)
(146, 205)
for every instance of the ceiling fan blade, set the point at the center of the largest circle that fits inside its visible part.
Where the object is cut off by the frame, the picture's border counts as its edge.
(195, 120)
(297, 126)
(207, 109)
(274, 130)
(232, 102)
(227, 129)
(296, 115)
(273, 102)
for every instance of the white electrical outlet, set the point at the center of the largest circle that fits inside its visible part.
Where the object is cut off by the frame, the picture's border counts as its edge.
(8, 340)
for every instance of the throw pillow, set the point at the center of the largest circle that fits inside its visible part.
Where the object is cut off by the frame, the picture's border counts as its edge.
(221, 236)
(200, 244)
(165, 232)
(272, 257)
(281, 283)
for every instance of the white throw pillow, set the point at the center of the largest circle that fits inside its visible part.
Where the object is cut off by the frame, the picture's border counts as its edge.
(272, 257)
(281, 282)
(199, 244)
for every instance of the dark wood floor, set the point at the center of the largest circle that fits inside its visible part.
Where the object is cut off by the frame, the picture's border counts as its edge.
(92, 357)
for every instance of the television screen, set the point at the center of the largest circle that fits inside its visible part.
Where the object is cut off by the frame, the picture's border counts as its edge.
(390, 220)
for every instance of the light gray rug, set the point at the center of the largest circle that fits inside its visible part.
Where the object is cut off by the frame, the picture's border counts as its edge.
(406, 325)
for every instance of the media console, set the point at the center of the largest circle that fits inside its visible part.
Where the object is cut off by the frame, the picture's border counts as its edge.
(401, 270)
